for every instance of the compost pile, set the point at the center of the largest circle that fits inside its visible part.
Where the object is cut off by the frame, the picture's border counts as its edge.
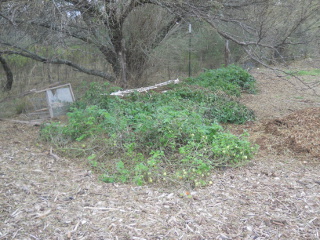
(298, 133)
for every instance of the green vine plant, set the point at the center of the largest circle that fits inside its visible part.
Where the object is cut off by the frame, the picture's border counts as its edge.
(160, 138)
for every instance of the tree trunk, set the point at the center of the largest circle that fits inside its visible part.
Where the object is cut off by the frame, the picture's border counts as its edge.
(6, 68)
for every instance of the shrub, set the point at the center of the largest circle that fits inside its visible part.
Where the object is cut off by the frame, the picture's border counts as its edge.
(232, 80)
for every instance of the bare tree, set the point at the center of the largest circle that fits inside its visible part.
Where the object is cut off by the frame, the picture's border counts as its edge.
(266, 28)
(125, 32)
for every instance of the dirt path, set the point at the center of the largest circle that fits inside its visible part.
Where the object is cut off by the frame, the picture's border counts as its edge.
(274, 197)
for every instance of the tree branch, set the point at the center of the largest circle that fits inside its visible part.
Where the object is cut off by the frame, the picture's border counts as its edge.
(235, 40)
(59, 61)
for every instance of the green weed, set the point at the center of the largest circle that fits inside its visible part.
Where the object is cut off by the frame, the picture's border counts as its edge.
(156, 138)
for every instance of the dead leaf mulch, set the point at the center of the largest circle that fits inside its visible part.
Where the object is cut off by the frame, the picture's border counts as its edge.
(299, 132)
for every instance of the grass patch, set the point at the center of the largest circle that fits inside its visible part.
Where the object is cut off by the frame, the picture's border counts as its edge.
(298, 97)
(312, 72)
(159, 137)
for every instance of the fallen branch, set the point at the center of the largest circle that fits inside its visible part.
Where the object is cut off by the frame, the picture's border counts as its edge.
(144, 89)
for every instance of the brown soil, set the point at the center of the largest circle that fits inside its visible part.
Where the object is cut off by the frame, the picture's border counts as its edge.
(276, 196)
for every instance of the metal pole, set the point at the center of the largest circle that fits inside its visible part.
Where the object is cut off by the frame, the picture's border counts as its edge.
(190, 30)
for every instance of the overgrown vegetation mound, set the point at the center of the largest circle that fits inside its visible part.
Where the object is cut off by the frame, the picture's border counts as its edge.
(232, 80)
(159, 137)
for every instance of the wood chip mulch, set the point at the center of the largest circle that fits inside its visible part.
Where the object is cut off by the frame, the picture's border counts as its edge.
(44, 197)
